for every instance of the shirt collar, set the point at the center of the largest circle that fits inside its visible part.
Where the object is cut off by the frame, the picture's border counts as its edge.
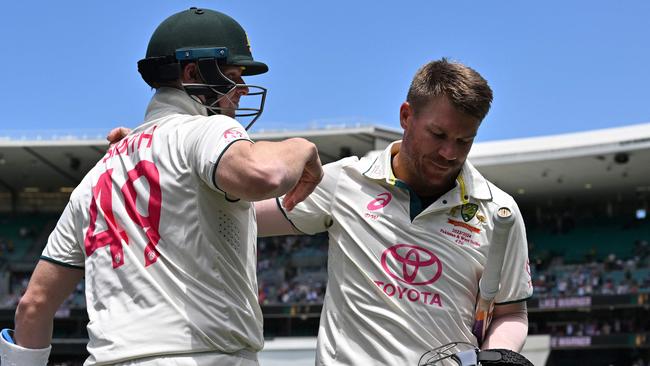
(469, 181)
(381, 168)
(168, 101)
(475, 184)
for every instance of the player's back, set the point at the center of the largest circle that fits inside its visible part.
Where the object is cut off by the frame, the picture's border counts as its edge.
(169, 258)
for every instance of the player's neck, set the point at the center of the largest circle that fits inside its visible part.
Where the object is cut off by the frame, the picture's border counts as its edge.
(430, 194)
(423, 189)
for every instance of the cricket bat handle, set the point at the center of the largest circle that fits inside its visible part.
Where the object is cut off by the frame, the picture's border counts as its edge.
(503, 219)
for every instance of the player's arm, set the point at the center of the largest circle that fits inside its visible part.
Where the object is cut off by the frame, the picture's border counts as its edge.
(262, 170)
(509, 327)
(254, 172)
(29, 344)
(282, 216)
(271, 220)
(48, 287)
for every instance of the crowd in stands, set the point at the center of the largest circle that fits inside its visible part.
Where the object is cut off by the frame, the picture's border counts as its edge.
(6, 247)
(17, 287)
(612, 275)
(293, 269)
(8, 236)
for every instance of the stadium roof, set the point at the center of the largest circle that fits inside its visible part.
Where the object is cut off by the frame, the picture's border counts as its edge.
(606, 163)
(610, 162)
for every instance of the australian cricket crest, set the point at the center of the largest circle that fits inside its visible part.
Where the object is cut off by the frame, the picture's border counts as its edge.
(468, 211)
(467, 232)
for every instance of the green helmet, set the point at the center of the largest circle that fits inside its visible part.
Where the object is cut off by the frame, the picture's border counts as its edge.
(211, 39)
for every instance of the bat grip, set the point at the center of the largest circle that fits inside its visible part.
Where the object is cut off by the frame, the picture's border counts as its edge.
(503, 219)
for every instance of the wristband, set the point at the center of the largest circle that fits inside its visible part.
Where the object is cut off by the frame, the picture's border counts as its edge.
(12, 354)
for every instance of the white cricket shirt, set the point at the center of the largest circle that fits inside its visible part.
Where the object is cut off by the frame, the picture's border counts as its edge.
(169, 258)
(400, 286)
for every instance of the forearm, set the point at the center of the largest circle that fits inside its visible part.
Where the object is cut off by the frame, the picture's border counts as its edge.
(271, 221)
(49, 286)
(288, 159)
(254, 172)
(507, 331)
(33, 327)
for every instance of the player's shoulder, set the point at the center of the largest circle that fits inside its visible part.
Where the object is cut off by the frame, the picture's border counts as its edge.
(497, 195)
(192, 128)
(501, 198)
(337, 169)
(178, 119)
(341, 163)
(82, 194)
(175, 121)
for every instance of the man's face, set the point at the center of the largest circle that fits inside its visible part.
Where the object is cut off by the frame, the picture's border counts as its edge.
(230, 101)
(436, 142)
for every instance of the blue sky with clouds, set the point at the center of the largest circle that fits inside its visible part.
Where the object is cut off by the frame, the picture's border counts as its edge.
(554, 66)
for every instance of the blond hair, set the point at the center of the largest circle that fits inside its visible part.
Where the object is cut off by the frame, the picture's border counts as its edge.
(465, 88)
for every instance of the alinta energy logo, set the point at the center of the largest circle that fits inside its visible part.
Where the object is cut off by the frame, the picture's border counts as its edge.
(382, 200)
(414, 266)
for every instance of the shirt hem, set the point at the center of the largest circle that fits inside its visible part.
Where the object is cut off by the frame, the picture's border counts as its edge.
(514, 301)
(59, 263)
(277, 201)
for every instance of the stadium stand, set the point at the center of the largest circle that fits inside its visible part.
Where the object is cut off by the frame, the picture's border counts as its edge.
(292, 269)
(596, 238)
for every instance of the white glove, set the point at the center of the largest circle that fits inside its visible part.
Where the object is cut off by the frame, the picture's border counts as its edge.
(12, 354)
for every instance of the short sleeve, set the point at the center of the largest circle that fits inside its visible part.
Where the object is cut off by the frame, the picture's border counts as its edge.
(516, 282)
(207, 141)
(63, 246)
(314, 214)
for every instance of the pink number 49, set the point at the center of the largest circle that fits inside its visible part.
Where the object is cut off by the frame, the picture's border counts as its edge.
(114, 234)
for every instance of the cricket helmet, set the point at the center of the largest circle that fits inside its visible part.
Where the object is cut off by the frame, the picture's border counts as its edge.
(210, 39)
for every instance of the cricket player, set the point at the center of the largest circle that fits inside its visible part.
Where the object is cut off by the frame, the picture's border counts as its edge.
(409, 234)
(163, 227)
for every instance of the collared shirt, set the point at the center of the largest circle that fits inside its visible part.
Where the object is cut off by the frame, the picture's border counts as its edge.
(402, 284)
(169, 258)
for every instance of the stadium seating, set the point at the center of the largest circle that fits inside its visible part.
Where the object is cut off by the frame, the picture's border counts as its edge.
(18, 233)
(590, 239)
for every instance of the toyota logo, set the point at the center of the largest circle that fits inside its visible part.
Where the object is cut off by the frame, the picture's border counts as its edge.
(411, 264)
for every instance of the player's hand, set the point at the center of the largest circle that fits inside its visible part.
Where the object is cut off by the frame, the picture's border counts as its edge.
(117, 134)
(311, 176)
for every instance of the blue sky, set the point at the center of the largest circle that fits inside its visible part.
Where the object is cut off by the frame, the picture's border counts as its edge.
(554, 66)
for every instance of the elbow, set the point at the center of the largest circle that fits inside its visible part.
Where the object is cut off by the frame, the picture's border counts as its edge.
(278, 176)
(31, 307)
(266, 180)
(279, 179)
(33, 322)
(252, 180)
